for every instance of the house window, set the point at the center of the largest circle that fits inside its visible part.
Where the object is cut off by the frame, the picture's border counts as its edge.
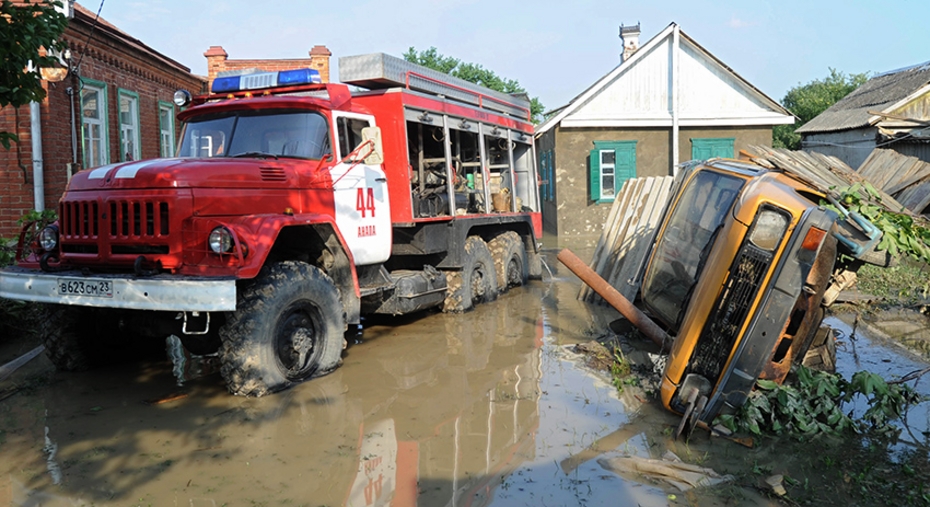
(129, 125)
(611, 164)
(166, 128)
(94, 122)
(707, 148)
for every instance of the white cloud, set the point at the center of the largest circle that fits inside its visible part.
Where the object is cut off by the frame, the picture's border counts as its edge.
(738, 23)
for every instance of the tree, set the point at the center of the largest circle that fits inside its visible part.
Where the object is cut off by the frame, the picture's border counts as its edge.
(473, 73)
(27, 29)
(807, 101)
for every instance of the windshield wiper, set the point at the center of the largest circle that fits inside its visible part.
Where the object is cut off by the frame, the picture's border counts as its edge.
(256, 154)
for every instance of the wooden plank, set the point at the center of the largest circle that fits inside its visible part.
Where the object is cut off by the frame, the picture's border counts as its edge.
(627, 222)
(628, 277)
(596, 258)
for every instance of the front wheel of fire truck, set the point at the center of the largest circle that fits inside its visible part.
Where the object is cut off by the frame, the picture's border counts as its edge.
(289, 327)
(509, 260)
(476, 282)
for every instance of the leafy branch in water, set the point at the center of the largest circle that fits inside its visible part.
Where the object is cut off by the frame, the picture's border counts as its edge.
(814, 405)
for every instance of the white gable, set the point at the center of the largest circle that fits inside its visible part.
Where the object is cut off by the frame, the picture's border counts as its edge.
(639, 92)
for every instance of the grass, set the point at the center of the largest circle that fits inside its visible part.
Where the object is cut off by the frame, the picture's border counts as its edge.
(904, 284)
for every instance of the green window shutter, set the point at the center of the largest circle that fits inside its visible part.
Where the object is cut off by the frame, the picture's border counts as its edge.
(624, 168)
(594, 174)
(703, 149)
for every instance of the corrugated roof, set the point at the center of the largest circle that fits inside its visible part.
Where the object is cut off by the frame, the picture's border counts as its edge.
(879, 94)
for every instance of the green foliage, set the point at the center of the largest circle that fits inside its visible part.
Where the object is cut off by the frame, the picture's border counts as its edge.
(809, 100)
(26, 29)
(34, 221)
(814, 405)
(473, 73)
(620, 371)
(902, 234)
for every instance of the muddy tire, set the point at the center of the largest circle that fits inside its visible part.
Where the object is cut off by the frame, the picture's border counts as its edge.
(509, 260)
(78, 338)
(288, 327)
(476, 282)
(66, 346)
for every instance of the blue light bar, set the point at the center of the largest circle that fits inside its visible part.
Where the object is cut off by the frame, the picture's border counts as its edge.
(265, 80)
(298, 76)
(225, 84)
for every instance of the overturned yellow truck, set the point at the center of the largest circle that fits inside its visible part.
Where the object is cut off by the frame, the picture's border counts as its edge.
(743, 255)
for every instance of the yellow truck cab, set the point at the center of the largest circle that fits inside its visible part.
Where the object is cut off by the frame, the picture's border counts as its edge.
(740, 265)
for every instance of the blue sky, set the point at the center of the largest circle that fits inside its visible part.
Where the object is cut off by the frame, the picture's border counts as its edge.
(554, 48)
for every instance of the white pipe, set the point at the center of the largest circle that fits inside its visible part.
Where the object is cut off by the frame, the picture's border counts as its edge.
(38, 172)
(676, 42)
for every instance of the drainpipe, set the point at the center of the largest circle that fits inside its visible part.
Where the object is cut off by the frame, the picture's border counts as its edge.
(38, 172)
(676, 47)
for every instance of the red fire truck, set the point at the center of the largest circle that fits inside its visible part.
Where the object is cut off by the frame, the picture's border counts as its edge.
(292, 209)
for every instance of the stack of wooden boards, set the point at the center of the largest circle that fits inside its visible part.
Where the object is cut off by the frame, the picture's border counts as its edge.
(906, 178)
(629, 234)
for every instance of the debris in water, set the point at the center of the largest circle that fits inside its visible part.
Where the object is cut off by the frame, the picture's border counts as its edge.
(166, 398)
(8, 369)
(669, 469)
(775, 482)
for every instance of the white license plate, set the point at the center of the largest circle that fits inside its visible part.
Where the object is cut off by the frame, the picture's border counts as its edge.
(85, 287)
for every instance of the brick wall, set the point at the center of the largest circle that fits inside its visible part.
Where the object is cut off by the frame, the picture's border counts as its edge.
(111, 57)
(218, 61)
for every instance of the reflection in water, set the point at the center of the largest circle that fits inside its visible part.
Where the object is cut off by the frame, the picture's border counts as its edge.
(475, 409)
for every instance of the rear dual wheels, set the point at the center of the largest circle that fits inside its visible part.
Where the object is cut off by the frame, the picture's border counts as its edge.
(289, 327)
(509, 260)
(476, 282)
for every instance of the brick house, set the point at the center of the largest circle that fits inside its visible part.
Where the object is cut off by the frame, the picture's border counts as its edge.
(114, 105)
(219, 64)
(667, 102)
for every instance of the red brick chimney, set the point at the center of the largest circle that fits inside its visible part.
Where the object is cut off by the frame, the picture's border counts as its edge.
(216, 61)
(319, 60)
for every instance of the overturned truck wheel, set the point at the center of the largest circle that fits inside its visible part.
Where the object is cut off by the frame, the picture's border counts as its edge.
(476, 282)
(289, 327)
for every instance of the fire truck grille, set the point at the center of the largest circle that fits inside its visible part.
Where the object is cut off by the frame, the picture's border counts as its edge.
(78, 220)
(730, 311)
(138, 219)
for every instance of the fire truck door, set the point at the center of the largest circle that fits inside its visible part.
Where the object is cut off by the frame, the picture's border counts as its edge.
(363, 210)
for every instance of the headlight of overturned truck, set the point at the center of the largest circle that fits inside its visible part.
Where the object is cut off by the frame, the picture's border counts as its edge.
(768, 229)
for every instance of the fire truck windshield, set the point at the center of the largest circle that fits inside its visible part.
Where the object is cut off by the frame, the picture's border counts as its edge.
(682, 250)
(294, 134)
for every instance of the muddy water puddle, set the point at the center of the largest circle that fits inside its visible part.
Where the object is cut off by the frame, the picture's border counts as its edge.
(483, 408)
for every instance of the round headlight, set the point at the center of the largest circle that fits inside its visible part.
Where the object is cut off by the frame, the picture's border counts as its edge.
(182, 98)
(221, 240)
(48, 238)
(768, 230)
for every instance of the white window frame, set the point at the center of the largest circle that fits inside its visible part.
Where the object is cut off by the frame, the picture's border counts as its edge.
(100, 156)
(608, 192)
(129, 133)
(167, 145)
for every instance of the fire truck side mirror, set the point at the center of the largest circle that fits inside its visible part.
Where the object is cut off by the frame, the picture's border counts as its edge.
(376, 154)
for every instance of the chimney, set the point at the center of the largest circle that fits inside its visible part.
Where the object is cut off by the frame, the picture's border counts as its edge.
(629, 37)
(319, 60)
(216, 62)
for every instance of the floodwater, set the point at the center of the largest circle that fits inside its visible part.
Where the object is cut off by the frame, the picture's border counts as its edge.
(487, 408)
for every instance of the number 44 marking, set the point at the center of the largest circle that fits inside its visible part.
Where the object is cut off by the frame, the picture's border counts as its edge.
(365, 201)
